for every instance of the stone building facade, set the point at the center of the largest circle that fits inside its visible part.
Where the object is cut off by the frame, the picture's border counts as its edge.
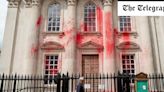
(79, 36)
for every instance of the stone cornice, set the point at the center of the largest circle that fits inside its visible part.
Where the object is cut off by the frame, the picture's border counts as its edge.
(13, 3)
(71, 2)
(107, 2)
(24, 3)
(30, 3)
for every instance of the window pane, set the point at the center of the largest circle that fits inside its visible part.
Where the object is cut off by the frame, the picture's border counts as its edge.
(51, 65)
(54, 17)
(90, 17)
(128, 63)
(125, 23)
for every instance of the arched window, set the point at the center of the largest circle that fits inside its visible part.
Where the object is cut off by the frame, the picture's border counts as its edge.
(54, 17)
(90, 17)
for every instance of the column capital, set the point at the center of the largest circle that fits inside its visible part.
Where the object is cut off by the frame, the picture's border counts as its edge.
(13, 3)
(107, 2)
(30, 3)
(71, 2)
(24, 3)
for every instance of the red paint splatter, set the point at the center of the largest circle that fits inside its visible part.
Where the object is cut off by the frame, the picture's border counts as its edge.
(53, 71)
(34, 49)
(99, 50)
(86, 27)
(100, 25)
(115, 31)
(60, 63)
(49, 49)
(126, 38)
(99, 19)
(46, 62)
(79, 38)
(39, 21)
(109, 35)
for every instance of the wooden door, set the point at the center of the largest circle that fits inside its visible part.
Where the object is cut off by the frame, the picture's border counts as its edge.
(90, 66)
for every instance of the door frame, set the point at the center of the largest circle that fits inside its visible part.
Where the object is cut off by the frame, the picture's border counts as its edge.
(90, 55)
(81, 52)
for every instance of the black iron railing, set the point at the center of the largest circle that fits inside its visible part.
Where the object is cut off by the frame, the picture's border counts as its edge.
(68, 83)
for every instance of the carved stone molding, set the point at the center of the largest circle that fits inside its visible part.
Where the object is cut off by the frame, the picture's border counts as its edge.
(23, 3)
(51, 45)
(121, 34)
(128, 46)
(90, 45)
(107, 2)
(30, 3)
(13, 3)
(71, 2)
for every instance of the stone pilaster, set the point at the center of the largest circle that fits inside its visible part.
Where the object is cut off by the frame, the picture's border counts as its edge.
(156, 35)
(9, 37)
(160, 35)
(70, 48)
(108, 37)
(26, 39)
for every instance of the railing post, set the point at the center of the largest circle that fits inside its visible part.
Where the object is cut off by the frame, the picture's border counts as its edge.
(14, 86)
(127, 83)
(58, 83)
(119, 83)
(1, 89)
(65, 84)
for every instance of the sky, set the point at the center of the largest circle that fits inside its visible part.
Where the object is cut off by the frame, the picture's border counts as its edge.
(3, 14)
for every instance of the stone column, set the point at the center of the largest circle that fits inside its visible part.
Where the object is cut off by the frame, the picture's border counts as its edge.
(160, 35)
(70, 47)
(25, 54)
(108, 37)
(156, 36)
(9, 36)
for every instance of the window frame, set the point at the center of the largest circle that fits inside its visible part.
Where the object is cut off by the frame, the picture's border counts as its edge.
(128, 63)
(133, 26)
(44, 65)
(136, 62)
(131, 23)
(60, 16)
(83, 30)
